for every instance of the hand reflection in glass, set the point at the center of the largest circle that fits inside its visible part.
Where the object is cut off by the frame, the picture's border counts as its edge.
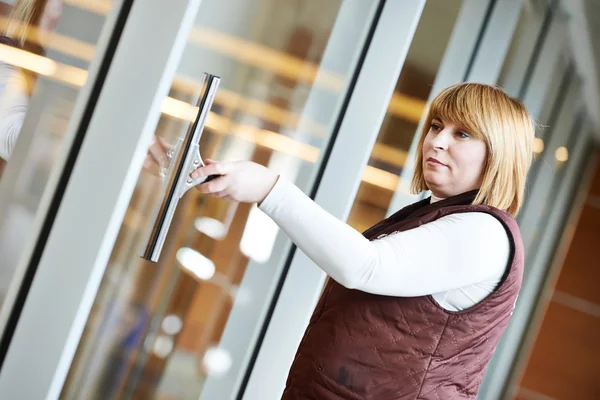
(157, 160)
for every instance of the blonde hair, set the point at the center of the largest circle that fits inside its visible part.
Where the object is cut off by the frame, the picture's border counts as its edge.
(24, 15)
(508, 130)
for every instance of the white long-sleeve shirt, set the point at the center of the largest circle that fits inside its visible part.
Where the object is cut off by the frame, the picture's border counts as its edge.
(13, 107)
(459, 259)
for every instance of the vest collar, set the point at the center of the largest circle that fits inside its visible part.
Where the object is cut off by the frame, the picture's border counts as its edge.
(427, 206)
(421, 208)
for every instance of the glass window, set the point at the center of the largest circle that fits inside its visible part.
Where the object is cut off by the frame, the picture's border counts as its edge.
(45, 52)
(380, 178)
(562, 157)
(155, 329)
(546, 172)
(561, 77)
(522, 48)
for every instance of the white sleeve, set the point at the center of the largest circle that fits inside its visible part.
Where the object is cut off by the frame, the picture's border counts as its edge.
(13, 107)
(450, 253)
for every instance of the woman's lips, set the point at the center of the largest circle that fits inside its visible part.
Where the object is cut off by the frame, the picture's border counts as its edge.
(435, 162)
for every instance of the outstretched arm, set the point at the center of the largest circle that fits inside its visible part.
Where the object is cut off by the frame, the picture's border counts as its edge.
(450, 253)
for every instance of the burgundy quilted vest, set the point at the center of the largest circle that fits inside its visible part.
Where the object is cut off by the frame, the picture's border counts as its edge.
(364, 346)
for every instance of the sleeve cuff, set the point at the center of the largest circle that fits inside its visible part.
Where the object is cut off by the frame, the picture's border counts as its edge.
(275, 197)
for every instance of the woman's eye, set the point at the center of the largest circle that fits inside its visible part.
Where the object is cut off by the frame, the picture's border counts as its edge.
(464, 135)
(435, 127)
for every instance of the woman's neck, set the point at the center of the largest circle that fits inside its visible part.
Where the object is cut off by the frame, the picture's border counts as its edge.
(435, 199)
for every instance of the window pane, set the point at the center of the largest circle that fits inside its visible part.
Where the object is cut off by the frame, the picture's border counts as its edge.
(521, 50)
(43, 65)
(380, 178)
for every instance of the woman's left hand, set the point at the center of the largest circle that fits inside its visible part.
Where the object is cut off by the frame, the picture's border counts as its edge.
(244, 181)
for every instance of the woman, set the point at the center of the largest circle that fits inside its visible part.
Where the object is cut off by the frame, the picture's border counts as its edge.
(417, 304)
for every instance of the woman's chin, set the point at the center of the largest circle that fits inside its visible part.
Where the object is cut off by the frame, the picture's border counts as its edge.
(432, 181)
(440, 187)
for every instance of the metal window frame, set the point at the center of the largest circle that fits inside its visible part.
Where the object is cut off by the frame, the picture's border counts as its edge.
(496, 40)
(122, 124)
(535, 84)
(526, 50)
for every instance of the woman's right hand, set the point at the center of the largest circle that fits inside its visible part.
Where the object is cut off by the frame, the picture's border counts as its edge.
(157, 159)
(242, 181)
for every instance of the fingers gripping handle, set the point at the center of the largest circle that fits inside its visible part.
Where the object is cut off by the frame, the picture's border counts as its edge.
(191, 182)
(195, 182)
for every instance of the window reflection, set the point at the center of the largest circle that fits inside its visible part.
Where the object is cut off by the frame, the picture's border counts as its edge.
(38, 89)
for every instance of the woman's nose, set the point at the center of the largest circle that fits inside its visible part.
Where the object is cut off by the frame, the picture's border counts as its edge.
(440, 141)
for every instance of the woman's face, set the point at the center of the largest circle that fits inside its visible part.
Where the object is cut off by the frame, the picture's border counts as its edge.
(51, 14)
(453, 159)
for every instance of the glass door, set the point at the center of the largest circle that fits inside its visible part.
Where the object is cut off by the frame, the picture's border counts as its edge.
(155, 328)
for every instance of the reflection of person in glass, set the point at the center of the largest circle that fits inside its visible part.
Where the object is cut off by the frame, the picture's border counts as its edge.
(29, 23)
(417, 303)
